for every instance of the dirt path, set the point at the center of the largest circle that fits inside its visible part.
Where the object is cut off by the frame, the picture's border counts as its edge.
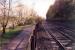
(21, 40)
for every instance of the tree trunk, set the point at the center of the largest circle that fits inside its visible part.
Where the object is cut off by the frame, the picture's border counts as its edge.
(13, 26)
(3, 30)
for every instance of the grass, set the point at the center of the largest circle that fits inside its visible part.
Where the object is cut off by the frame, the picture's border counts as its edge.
(10, 33)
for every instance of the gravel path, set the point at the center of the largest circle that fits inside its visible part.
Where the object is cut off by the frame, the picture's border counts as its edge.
(19, 42)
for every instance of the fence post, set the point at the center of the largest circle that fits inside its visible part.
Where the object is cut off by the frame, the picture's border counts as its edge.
(32, 43)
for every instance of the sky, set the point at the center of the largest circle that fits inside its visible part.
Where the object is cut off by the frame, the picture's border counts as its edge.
(40, 6)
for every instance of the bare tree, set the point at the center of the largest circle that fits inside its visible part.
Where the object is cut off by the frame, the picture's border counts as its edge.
(19, 8)
(6, 7)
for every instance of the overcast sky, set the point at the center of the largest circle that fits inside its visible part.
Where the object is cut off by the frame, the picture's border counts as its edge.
(40, 6)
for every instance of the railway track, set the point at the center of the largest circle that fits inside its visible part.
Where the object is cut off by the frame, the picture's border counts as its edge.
(62, 41)
(64, 29)
(63, 25)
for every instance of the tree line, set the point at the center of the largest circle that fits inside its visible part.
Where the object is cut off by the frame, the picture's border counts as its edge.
(15, 15)
(62, 10)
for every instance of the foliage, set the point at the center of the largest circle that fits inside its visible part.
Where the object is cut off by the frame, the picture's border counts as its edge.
(61, 10)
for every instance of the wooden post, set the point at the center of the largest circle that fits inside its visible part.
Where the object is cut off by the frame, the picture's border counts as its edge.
(32, 43)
